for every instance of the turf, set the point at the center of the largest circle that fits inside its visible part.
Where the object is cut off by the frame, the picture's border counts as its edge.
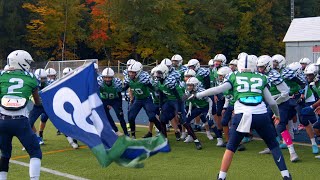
(183, 162)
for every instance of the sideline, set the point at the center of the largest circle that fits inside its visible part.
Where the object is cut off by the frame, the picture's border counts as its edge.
(51, 171)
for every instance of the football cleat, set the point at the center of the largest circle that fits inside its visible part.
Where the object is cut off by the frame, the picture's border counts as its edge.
(198, 144)
(265, 151)
(220, 178)
(177, 134)
(74, 145)
(183, 135)
(287, 178)
(209, 136)
(188, 139)
(220, 142)
(294, 157)
(241, 147)
(149, 134)
(315, 149)
(41, 142)
(283, 146)
(58, 133)
(246, 139)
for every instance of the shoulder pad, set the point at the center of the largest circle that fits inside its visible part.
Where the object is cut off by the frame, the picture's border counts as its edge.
(274, 77)
(170, 82)
(183, 68)
(288, 73)
(117, 83)
(203, 72)
(144, 77)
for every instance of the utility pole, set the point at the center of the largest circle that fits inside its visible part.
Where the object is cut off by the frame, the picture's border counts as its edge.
(292, 9)
(65, 31)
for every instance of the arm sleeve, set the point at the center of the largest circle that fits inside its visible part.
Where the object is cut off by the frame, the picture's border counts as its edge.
(210, 104)
(284, 92)
(215, 90)
(272, 103)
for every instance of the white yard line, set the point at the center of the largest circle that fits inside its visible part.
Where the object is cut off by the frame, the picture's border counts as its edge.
(51, 171)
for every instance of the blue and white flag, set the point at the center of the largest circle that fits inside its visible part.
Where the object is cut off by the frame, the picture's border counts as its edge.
(74, 107)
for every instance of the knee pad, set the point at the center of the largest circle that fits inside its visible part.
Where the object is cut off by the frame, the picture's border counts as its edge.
(4, 164)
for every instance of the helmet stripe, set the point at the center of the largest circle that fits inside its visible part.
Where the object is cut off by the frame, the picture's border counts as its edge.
(246, 63)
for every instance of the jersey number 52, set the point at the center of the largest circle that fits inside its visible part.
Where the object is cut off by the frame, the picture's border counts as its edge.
(247, 84)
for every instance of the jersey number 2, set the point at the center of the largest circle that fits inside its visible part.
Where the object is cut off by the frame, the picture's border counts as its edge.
(16, 86)
(245, 86)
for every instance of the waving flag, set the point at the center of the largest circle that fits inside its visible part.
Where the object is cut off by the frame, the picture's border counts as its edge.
(74, 107)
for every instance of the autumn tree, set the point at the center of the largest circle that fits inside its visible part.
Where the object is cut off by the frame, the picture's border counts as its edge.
(55, 26)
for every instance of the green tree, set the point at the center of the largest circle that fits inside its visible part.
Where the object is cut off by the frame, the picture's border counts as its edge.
(12, 27)
(151, 30)
(211, 27)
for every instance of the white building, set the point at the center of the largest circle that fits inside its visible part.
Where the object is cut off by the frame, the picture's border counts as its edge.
(303, 39)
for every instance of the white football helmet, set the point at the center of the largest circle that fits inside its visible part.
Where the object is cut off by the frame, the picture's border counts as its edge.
(211, 62)
(266, 62)
(136, 67)
(220, 57)
(223, 71)
(6, 67)
(295, 66)
(242, 54)
(19, 59)
(195, 63)
(311, 69)
(233, 62)
(254, 57)
(247, 64)
(305, 61)
(167, 62)
(130, 62)
(40, 74)
(190, 72)
(280, 60)
(178, 58)
(193, 81)
(107, 72)
(153, 71)
(318, 62)
(51, 72)
(162, 71)
(66, 70)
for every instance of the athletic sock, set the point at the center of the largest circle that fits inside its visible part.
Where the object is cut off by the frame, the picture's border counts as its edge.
(285, 173)
(34, 169)
(217, 132)
(41, 134)
(222, 175)
(3, 175)
(313, 141)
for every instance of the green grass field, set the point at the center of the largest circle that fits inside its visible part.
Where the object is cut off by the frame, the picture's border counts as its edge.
(183, 162)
